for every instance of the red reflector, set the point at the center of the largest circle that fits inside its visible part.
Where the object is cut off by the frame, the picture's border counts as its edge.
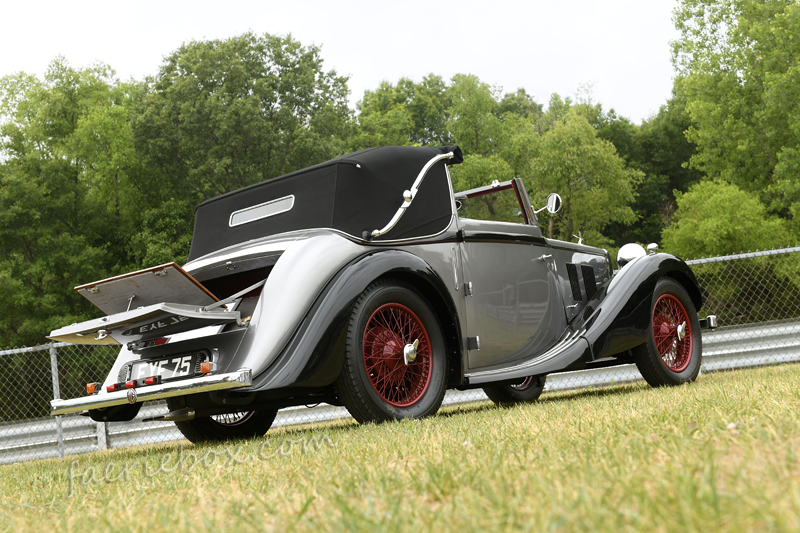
(130, 384)
(111, 388)
(151, 380)
(159, 342)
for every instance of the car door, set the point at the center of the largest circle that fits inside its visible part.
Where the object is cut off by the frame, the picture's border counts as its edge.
(514, 307)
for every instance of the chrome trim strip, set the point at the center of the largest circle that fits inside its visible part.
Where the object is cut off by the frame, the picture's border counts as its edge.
(231, 380)
(260, 207)
(408, 196)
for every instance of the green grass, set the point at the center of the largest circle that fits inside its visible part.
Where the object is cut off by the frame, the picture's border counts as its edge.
(720, 454)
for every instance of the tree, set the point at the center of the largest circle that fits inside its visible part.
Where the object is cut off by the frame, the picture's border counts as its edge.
(61, 218)
(224, 114)
(739, 70)
(660, 149)
(705, 224)
(586, 171)
(521, 104)
(474, 125)
(407, 113)
(384, 117)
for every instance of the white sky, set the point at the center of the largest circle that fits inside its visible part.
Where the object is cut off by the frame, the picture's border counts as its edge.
(620, 47)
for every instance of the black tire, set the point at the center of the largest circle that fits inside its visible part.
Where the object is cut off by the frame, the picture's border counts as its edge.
(234, 426)
(388, 315)
(528, 390)
(664, 359)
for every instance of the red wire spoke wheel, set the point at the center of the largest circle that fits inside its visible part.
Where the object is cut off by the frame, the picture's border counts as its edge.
(668, 315)
(375, 383)
(672, 351)
(390, 328)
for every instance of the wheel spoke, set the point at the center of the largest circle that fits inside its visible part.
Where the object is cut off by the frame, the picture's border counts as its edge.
(388, 330)
(668, 313)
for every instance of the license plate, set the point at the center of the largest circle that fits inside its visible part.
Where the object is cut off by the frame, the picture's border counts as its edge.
(173, 367)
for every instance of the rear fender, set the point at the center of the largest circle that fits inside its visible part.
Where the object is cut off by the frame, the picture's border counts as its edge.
(315, 354)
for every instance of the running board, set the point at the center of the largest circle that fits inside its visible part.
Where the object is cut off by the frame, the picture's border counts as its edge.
(571, 350)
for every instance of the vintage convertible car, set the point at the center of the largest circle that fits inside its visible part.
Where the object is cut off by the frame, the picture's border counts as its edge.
(315, 287)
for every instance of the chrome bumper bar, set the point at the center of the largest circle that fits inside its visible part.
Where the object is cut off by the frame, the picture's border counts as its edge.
(231, 380)
(708, 323)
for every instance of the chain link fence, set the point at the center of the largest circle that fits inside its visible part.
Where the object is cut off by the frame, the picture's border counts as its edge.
(756, 297)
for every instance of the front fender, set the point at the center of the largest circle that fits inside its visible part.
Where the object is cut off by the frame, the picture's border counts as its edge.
(315, 354)
(621, 318)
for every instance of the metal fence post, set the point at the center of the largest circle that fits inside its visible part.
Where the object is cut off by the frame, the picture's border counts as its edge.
(56, 396)
(102, 435)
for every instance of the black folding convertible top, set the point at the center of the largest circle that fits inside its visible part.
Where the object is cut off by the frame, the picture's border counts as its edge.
(354, 193)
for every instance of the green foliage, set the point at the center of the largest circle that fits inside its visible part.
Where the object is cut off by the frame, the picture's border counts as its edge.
(520, 104)
(165, 233)
(660, 149)
(476, 128)
(717, 218)
(588, 174)
(404, 114)
(739, 66)
(224, 114)
(59, 224)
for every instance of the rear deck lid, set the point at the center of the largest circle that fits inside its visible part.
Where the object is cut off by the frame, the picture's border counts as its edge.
(162, 283)
(145, 304)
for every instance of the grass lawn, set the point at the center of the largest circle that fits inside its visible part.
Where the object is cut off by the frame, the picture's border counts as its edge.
(720, 454)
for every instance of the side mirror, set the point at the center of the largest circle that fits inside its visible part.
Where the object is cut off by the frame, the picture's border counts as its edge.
(553, 204)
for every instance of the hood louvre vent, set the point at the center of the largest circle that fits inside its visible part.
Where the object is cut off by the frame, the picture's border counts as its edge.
(588, 281)
(572, 270)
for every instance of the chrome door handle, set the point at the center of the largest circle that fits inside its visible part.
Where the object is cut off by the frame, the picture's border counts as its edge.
(545, 257)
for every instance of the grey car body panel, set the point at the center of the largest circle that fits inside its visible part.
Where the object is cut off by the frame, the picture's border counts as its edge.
(296, 280)
(515, 307)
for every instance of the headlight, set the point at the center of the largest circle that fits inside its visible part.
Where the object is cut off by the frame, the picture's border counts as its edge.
(628, 253)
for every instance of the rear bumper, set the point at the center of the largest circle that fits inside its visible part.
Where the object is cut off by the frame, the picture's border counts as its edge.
(708, 323)
(231, 380)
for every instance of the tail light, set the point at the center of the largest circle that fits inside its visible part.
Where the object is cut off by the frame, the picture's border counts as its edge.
(206, 367)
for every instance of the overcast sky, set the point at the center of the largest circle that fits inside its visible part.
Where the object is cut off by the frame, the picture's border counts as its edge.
(619, 47)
